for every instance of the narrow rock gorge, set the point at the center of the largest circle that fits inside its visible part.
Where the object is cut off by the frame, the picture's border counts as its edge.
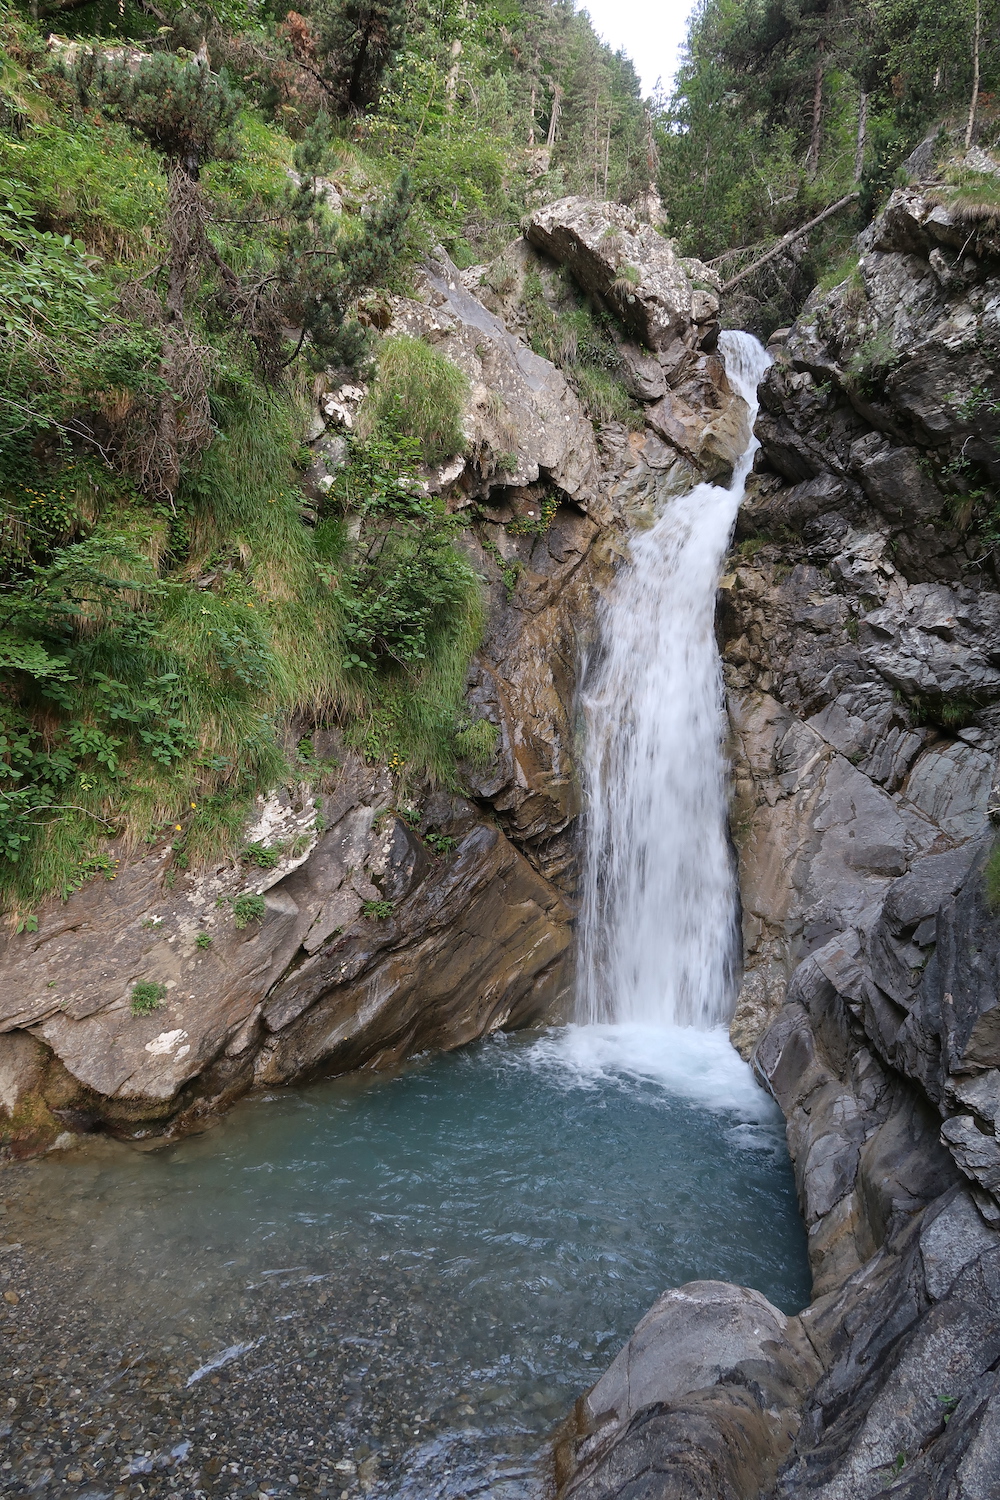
(499, 742)
(860, 633)
(395, 917)
(858, 623)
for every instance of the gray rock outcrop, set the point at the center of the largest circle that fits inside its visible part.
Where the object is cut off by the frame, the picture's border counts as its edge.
(660, 296)
(704, 1395)
(523, 418)
(859, 626)
(862, 682)
(365, 946)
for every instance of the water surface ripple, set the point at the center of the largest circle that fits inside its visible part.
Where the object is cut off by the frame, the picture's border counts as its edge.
(397, 1285)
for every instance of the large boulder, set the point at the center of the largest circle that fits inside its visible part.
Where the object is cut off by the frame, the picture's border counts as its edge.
(702, 1397)
(523, 418)
(661, 297)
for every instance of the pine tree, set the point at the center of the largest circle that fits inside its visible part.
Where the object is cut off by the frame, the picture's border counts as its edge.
(358, 40)
(177, 103)
(189, 114)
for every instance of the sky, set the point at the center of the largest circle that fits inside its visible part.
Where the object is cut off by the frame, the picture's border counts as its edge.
(651, 32)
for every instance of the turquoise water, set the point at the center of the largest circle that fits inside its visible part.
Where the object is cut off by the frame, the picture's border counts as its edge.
(415, 1276)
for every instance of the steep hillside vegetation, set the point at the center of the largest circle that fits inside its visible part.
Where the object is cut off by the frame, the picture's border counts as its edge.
(783, 108)
(205, 217)
(202, 214)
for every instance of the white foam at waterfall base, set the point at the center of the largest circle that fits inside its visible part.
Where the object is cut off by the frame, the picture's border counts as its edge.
(658, 918)
(696, 1064)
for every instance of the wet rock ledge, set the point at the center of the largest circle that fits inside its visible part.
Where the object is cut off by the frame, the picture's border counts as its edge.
(860, 626)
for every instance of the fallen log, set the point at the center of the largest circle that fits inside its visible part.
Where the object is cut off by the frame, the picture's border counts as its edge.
(786, 240)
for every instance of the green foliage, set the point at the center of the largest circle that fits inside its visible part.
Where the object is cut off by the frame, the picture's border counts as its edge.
(405, 593)
(45, 279)
(539, 524)
(324, 268)
(991, 878)
(179, 106)
(950, 712)
(743, 156)
(248, 908)
(468, 107)
(358, 39)
(579, 339)
(477, 742)
(130, 691)
(378, 910)
(147, 996)
(871, 362)
(973, 198)
(607, 400)
(261, 855)
(440, 843)
(202, 940)
(750, 546)
(167, 606)
(63, 340)
(417, 391)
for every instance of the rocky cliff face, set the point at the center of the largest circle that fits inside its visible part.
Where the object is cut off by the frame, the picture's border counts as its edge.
(859, 624)
(394, 919)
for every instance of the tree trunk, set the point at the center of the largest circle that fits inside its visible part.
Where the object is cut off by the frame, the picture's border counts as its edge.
(451, 82)
(607, 150)
(550, 139)
(597, 141)
(812, 156)
(786, 240)
(974, 101)
(859, 153)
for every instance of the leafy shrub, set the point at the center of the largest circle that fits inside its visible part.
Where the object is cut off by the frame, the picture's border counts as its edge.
(147, 996)
(261, 855)
(418, 392)
(871, 362)
(536, 525)
(248, 908)
(202, 940)
(410, 605)
(379, 910)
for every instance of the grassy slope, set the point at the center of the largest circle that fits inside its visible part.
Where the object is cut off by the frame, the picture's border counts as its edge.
(158, 643)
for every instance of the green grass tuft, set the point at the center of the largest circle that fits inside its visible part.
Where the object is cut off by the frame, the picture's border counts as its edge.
(418, 391)
(991, 879)
(248, 908)
(477, 743)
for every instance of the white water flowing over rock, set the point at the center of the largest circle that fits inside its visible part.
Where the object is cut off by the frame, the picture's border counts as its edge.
(658, 924)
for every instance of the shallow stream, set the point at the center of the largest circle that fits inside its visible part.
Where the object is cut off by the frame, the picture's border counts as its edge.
(394, 1285)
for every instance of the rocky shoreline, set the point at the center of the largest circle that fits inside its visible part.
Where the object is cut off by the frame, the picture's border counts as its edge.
(860, 625)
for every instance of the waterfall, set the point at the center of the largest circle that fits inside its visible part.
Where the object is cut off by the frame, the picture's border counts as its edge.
(658, 921)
